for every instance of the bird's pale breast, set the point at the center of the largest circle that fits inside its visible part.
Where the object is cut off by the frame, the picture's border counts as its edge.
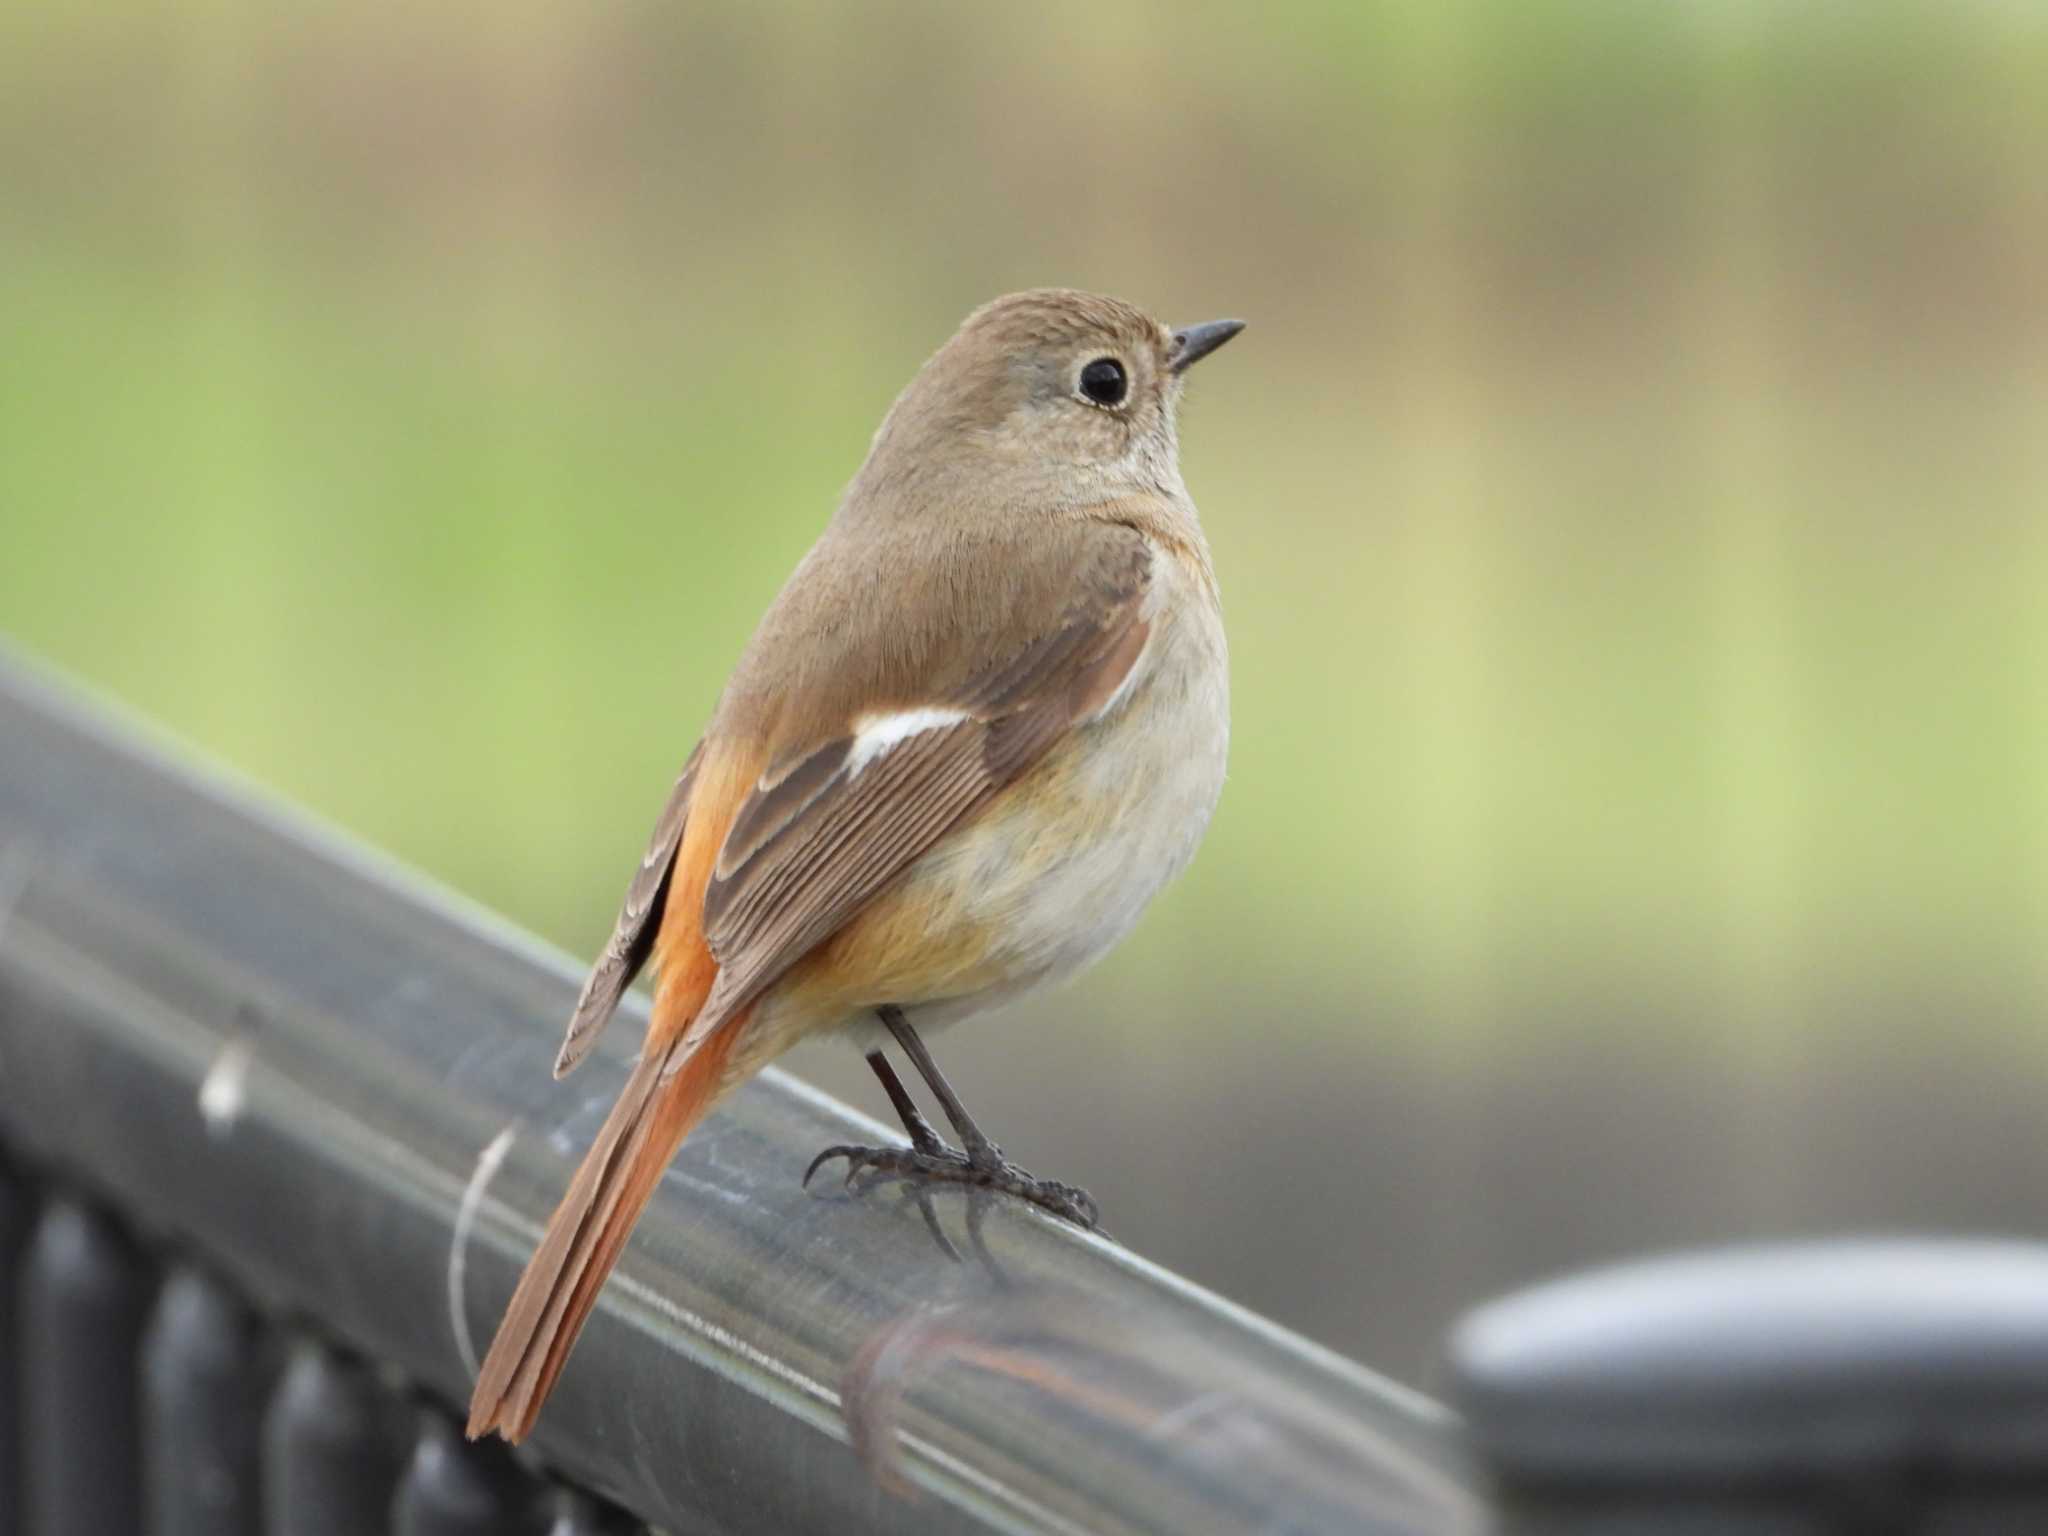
(1057, 869)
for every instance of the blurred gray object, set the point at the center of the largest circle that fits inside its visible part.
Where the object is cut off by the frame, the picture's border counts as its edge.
(1875, 1386)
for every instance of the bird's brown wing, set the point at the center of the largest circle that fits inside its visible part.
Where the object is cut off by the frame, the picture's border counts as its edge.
(632, 939)
(827, 828)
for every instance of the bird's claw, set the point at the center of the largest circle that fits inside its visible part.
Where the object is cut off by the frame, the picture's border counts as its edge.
(944, 1165)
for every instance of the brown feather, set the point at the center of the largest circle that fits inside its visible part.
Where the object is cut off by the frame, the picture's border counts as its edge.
(671, 1089)
(652, 1118)
(537, 1303)
(632, 937)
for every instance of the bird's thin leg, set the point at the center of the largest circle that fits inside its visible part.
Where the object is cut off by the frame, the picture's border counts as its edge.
(919, 1129)
(980, 1150)
(981, 1165)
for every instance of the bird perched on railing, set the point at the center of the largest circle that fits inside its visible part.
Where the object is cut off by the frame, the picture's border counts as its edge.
(980, 728)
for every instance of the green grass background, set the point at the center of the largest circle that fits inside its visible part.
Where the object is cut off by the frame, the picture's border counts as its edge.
(1631, 500)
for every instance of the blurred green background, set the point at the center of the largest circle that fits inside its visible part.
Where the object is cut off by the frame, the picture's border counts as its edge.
(1631, 501)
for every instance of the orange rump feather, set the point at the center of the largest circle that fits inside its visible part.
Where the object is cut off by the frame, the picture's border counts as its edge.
(671, 1089)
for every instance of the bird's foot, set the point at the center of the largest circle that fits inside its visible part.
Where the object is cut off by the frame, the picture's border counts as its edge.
(940, 1163)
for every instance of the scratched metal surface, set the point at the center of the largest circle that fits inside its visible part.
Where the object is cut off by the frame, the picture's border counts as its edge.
(332, 1079)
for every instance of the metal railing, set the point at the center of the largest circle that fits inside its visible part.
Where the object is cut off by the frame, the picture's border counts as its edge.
(280, 1130)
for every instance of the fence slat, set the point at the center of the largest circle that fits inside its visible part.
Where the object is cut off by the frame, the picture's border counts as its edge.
(17, 1215)
(333, 1445)
(85, 1294)
(578, 1514)
(203, 1387)
(452, 1488)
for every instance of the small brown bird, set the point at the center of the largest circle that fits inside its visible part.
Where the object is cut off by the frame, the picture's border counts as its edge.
(981, 726)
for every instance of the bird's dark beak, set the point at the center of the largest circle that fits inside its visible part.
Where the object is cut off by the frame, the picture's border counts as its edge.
(1190, 346)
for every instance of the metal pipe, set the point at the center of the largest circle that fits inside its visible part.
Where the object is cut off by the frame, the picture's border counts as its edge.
(330, 1081)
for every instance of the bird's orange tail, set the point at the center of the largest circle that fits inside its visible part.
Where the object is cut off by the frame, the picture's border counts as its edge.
(588, 1231)
(669, 1092)
(673, 1087)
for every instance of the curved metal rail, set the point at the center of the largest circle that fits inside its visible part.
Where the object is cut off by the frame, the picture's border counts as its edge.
(330, 1082)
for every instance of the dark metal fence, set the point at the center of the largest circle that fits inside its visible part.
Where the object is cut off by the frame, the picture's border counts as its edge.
(279, 1129)
(153, 1397)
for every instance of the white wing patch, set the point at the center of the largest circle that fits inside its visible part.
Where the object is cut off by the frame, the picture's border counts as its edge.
(876, 734)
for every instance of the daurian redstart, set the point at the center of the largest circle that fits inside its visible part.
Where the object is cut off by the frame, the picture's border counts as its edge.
(981, 726)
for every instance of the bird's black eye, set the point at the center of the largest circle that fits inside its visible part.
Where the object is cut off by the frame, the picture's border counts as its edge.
(1103, 381)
